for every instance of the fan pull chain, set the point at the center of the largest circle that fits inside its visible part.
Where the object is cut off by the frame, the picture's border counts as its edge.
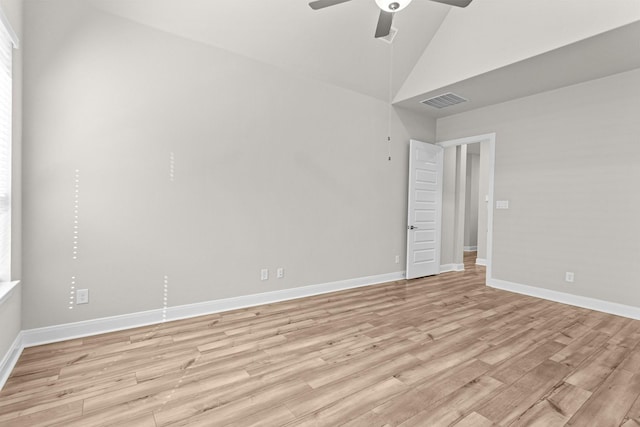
(390, 101)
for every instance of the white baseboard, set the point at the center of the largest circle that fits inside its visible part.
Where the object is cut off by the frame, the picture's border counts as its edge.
(481, 261)
(10, 359)
(451, 267)
(32, 337)
(56, 333)
(570, 299)
(470, 248)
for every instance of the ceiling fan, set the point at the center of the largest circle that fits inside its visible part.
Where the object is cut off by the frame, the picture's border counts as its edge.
(387, 9)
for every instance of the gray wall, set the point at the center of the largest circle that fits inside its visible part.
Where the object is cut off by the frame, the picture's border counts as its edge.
(567, 161)
(454, 201)
(449, 165)
(483, 205)
(271, 169)
(471, 201)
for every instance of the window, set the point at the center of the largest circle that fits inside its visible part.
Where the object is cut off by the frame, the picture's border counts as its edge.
(7, 42)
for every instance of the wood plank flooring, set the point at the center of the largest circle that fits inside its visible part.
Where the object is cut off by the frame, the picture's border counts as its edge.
(440, 351)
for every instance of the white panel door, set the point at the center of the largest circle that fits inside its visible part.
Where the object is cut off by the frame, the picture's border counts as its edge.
(425, 209)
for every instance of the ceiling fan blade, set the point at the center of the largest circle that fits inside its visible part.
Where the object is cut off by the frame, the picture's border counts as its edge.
(384, 24)
(459, 3)
(321, 4)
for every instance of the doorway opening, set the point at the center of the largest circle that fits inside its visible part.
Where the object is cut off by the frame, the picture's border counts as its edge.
(460, 224)
(474, 204)
(471, 203)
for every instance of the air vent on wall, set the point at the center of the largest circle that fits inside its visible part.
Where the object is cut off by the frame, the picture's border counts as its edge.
(445, 100)
(392, 34)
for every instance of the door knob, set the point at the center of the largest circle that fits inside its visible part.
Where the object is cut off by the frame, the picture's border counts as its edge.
(411, 227)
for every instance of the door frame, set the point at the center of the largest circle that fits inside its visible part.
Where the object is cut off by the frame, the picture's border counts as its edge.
(489, 138)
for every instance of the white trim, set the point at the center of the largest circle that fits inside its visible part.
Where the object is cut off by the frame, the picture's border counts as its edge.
(492, 170)
(7, 26)
(6, 289)
(565, 298)
(481, 261)
(451, 267)
(10, 359)
(470, 248)
(490, 138)
(467, 140)
(67, 331)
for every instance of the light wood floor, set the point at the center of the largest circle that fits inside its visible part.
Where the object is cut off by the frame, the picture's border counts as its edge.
(430, 352)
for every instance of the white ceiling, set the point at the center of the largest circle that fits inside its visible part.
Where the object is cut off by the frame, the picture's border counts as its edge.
(335, 44)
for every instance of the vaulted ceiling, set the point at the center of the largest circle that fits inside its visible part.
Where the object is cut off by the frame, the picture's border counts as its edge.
(489, 52)
(335, 44)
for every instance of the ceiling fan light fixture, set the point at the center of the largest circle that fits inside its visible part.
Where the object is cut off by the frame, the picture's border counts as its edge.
(392, 5)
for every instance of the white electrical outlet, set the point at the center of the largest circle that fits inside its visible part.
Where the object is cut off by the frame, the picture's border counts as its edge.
(280, 273)
(264, 274)
(82, 296)
(397, 259)
(502, 204)
(569, 276)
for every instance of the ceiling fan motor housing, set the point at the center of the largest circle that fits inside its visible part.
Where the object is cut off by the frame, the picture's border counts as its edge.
(392, 5)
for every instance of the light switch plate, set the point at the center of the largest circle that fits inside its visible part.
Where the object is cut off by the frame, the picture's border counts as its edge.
(502, 204)
(82, 296)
